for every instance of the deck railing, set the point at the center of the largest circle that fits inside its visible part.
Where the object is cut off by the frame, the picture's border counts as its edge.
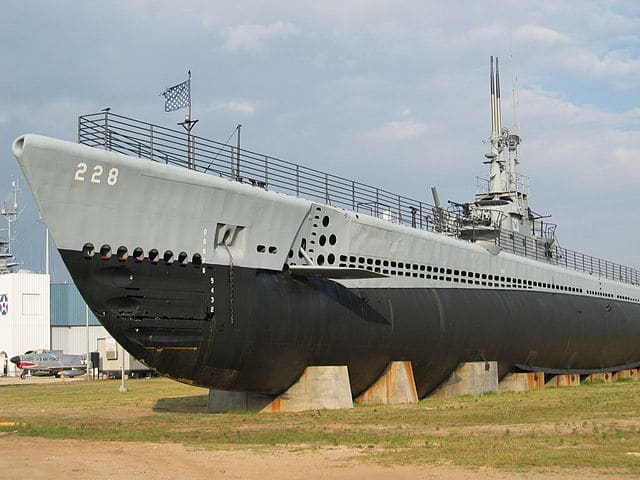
(160, 144)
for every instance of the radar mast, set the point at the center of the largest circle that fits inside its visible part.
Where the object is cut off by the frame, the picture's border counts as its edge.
(10, 214)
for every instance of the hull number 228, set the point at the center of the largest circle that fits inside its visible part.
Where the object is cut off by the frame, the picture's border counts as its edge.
(95, 176)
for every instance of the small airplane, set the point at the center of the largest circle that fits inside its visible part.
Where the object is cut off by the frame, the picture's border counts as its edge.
(43, 363)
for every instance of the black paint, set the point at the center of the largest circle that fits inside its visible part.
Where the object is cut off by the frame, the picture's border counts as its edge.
(281, 324)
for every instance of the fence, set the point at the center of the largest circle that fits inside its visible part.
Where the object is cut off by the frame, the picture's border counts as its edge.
(160, 144)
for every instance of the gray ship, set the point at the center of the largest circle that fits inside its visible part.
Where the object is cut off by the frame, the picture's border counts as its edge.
(230, 269)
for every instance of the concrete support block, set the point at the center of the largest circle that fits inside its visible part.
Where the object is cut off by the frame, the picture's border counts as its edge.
(604, 377)
(395, 385)
(317, 388)
(631, 374)
(471, 378)
(521, 382)
(564, 380)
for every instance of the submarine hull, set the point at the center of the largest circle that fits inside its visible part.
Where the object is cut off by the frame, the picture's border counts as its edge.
(267, 327)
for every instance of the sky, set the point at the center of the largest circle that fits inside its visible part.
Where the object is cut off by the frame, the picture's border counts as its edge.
(392, 94)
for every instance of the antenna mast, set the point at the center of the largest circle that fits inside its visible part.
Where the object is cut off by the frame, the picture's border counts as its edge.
(188, 125)
(7, 260)
(492, 100)
(514, 88)
(498, 105)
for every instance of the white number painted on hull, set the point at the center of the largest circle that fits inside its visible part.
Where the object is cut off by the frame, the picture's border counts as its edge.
(82, 168)
(98, 170)
(112, 179)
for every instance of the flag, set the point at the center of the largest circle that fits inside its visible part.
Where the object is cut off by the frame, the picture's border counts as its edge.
(178, 96)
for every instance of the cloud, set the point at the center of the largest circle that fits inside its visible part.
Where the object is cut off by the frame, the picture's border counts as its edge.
(233, 106)
(251, 38)
(614, 64)
(55, 118)
(539, 34)
(596, 148)
(551, 110)
(400, 130)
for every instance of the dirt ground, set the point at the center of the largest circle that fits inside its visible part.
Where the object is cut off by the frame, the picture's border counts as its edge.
(37, 458)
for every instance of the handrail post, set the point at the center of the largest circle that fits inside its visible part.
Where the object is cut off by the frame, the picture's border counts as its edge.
(353, 195)
(599, 270)
(266, 172)
(326, 188)
(151, 141)
(107, 145)
(193, 152)
(420, 214)
(297, 180)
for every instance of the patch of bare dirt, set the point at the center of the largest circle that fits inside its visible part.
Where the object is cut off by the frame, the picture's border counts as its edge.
(41, 459)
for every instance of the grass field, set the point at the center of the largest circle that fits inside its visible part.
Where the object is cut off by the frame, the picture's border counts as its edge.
(591, 426)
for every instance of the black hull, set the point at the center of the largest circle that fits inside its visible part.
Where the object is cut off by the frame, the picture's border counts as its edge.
(272, 325)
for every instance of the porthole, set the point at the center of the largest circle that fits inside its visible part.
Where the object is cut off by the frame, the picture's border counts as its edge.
(88, 250)
(183, 258)
(332, 239)
(325, 221)
(290, 253)
(322, 240)
(122, 253)
(320, 260)
(153, 255)
(273, 250)
(331, 258)
(105, 252)
(168, 257)
(138, 254)
(196, 259)
(261, 248)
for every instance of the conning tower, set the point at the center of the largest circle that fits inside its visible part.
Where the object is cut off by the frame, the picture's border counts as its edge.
(502, 201)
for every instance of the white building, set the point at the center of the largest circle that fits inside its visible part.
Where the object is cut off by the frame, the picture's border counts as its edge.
(72, 321)
(24, 315)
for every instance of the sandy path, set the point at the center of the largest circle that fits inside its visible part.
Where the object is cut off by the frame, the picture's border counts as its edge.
(40, 459)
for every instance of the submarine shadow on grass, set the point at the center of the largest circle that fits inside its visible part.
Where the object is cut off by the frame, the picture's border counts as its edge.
(189, 404)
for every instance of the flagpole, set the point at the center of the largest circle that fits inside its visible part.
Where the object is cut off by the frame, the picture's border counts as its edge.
(188, 124)
(189, 94)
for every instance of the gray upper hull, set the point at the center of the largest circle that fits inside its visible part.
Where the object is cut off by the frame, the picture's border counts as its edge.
(450, 298)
